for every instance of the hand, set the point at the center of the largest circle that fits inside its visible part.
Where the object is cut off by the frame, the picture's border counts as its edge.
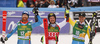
(92, 34)
(67, 15)
(42, 39)
(94, 14)
(57, 38)
(90, 43)
(35, 11)
(3, 39)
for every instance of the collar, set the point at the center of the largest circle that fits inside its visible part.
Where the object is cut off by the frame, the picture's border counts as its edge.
(53, 25)
(24, 22)
(83, 23)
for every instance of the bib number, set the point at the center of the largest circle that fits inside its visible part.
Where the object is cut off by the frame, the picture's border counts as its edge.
(22, 33)
(77, 32)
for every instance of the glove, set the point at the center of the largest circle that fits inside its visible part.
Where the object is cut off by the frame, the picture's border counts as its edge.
(42, 39)
(56, 38)
(3, 40)
(90, 43)
(35, 11)
(67, 15)
(94, 14)
(92, 34)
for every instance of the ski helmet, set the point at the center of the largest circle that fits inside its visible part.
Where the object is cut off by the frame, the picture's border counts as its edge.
(25, 12)
(82, 14)
(51, 14)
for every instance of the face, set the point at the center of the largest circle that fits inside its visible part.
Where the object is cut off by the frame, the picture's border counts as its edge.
(36, 2)
(32, 5)
(52, 19)
(81, 19)
(24, 17)
(52, 3)
(57, 1)
(41, 2)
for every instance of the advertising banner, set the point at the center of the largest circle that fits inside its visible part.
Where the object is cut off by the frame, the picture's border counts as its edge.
(14, 16)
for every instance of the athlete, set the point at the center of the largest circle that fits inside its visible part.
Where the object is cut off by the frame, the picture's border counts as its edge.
(24, 29)
(53, 29)
(80, 29)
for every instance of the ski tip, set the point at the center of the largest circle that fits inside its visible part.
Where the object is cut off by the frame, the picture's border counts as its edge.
(45, 19)
(4, 12)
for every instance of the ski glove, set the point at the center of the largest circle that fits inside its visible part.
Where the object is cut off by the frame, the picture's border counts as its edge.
(56, 38)
(42, 39)
(92, 34)
(67, 15)
(90, 43)
(94, 14)
(3, 40)
(35, 11)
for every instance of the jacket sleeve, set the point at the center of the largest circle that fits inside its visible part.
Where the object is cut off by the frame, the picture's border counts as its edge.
(37, 23)
(72, 22)
(12, 32)
(63, 23)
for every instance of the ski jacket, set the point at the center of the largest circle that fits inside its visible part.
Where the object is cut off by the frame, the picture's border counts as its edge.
(78, 33)
(24, 30)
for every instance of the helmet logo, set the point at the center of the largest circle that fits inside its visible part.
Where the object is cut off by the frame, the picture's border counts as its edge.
(51, 13)
(26, 12)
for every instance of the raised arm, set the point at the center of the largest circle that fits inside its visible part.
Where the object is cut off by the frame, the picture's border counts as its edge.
(63, 23)
(72, 22)
(68, 19)
(12, 32)
(42, 25)
(38, 19)
(37, 23)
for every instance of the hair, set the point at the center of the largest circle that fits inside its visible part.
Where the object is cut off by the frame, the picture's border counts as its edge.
(52, 1)
(51, 15)
(26, 14)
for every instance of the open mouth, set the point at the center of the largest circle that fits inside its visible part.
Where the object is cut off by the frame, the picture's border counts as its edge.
(24, 18)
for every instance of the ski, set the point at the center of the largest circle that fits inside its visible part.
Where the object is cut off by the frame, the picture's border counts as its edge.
(45, 22)
(93, 32)
(4, 24)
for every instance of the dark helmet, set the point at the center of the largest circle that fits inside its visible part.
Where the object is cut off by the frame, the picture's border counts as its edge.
(25, 12)
(51, 14)
(82, 14)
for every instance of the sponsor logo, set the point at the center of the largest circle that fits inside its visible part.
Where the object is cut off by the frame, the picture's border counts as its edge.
(10, 13)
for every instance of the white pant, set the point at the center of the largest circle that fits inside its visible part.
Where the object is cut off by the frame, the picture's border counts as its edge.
(52, 42)
(49, 41)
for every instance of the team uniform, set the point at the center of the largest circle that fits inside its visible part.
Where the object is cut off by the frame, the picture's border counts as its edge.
(53, 32)
(24, 31)
(79, 33)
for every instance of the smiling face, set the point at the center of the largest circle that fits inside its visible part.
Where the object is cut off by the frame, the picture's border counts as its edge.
(52, 19)
(24, 17)
(52, 2)
(81, 18)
